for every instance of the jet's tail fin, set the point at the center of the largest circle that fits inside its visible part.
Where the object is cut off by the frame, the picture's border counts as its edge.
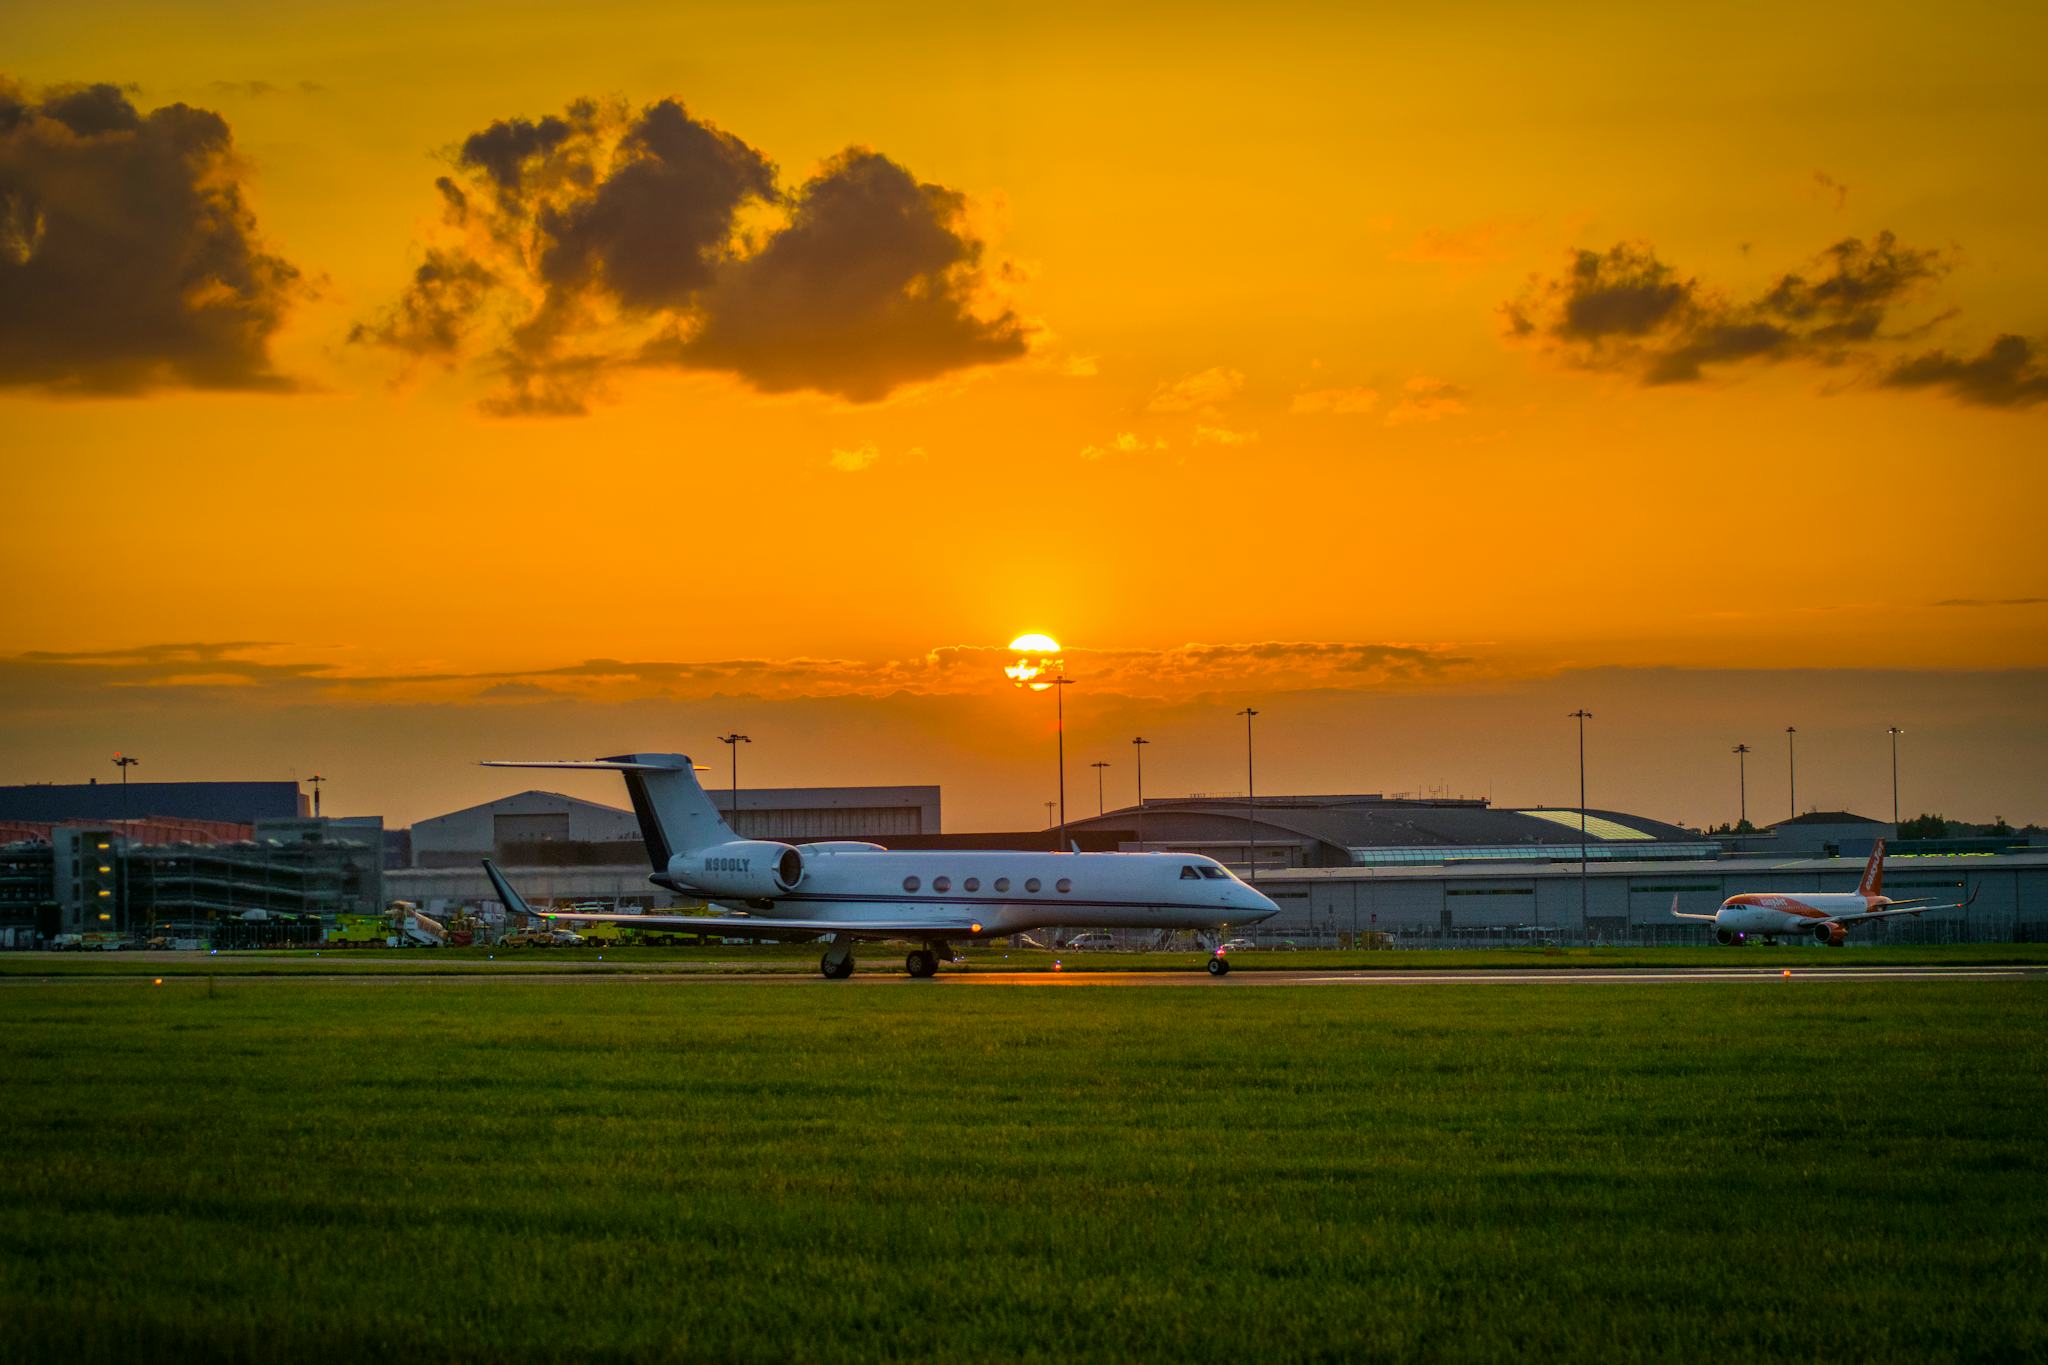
(1873, 873)
(674, 813)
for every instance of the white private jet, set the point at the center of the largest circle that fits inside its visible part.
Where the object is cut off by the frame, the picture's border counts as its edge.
(1827, 916)
(843, 892)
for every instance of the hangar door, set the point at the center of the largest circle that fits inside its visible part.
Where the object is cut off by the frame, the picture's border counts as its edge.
(548, 827)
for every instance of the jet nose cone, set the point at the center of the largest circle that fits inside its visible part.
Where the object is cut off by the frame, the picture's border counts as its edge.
(1256, 906)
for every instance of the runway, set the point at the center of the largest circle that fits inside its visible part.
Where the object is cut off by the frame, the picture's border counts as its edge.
(1237, 980)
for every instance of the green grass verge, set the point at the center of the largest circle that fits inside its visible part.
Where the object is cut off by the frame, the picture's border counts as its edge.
(887, 958)
(508, 1172)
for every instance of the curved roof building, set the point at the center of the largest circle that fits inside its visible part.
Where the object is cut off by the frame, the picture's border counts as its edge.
(1347, 831)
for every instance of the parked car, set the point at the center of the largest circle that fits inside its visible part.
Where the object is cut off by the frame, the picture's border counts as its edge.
(1238, 945)
(1094, 941)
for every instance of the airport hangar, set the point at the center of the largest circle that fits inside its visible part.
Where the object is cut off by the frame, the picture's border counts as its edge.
(1339, 867)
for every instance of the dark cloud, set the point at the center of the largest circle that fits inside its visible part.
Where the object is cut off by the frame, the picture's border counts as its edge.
(1992, 602)
(436, 311)
(2009, 374)
(453, 201)
(128, 257)
(1628, 312)
(1849, 300)
(621, 239)
(502, 150)
(652, 232)
(871, 285)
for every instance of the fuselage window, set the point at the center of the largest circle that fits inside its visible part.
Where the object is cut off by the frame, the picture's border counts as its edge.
(1002, 883)
(1215, 874)
(972, 884)
(1031, 885)
(1188, 874)
(942, 883)
(910, 883)
(1063, 885)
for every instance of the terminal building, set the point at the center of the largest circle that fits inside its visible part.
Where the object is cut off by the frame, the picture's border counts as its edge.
(280, 883)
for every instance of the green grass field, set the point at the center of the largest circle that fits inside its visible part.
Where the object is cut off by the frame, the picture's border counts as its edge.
(498, 1171)
(887, 959)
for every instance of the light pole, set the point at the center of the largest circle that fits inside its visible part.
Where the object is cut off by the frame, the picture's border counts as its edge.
(1895, 732)
(1741, 752)
(1099, 764)
(124, 763)
(1792, 767)
(1138, 748)
(1059, 686)
(1582, 715)
(732, 811)
(1251, 799)
(314, 782)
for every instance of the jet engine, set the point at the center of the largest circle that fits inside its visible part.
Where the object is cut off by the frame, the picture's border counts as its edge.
(1726, 937)
(1830, 935)
(745, 869)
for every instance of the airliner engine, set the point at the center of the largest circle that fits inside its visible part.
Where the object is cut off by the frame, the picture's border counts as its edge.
(750, 869)
(1830, 935)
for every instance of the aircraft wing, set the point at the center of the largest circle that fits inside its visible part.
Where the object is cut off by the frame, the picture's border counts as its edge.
(1677, 913)
(756, 926)
(1919, 907)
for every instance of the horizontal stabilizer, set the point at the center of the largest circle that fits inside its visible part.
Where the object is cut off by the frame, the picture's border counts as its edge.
(646, 763)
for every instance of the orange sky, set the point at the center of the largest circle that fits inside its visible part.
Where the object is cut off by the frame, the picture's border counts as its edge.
(1228, 354)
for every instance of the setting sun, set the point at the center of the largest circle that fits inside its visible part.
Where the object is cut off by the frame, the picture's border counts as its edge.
(1037, 655)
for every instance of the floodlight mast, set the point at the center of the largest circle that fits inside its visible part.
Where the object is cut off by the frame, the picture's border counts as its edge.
(733, 741)
(1582, 715)
(1251, 800)
(1741, 752)
(1138, 748)
(1792, 769)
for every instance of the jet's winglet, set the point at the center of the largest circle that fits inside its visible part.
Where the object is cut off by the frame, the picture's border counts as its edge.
(1677, 913)
(507, 897)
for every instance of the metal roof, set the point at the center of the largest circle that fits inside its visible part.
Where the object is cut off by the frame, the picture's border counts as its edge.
(241, 803)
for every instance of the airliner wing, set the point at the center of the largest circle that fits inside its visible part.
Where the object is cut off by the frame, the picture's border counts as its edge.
(1919, 907)
(1677, 913)
(755, 926)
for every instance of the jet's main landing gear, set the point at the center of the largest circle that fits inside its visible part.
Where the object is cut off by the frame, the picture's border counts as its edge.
(922, 962)
(1219, 965)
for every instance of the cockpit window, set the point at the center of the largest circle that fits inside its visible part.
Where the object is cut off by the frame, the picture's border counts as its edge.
(1215, 874)
(1188, 873)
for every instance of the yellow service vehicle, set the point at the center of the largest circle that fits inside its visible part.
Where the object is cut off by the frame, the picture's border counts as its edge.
(360, 931)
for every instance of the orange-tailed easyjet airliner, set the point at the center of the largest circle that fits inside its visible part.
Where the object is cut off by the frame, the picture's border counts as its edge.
(1825, 915)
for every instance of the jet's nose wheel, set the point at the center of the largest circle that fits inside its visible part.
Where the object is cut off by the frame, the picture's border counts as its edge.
(1219, 966)
(922, 962)
(835, 971)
